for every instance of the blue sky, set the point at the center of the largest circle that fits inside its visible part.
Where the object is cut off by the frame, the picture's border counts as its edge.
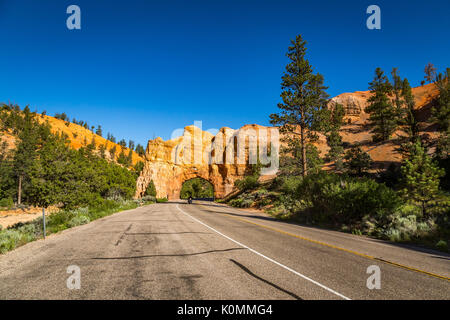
(142, 69)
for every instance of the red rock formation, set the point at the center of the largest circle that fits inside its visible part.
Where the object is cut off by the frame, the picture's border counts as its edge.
(214, 158)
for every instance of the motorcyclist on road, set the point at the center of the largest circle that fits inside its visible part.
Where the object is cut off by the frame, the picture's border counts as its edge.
(190, 200)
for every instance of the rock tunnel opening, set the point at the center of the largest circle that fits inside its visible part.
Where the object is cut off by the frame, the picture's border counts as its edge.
(197, 188)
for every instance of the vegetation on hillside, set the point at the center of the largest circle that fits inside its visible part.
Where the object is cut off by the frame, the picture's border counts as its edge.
(139, 149)
(43, 170)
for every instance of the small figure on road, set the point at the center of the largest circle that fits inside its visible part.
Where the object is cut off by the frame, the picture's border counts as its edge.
(190, 200)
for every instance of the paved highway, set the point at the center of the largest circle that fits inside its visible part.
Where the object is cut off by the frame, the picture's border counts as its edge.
(210, 251)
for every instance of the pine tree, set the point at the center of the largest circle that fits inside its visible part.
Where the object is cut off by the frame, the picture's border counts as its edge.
(92, 146)
(304, 97)
(334, 139)
(26, 152)
(99, 131)
(130, 158)
(7, 180)
(430, 73)
(140, 150)
(112, 152)
(441, 114)
(397, 86)
(383, 116)
(122, 143)
(409, 117)
(420, 177)
(357, 161)
(102, 151)
(151, 190)
(138, 167)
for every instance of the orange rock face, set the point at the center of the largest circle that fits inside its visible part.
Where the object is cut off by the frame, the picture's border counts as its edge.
(357, 130)
(221, 159)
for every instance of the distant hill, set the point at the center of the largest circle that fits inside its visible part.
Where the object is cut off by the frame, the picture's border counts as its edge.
(78, 137)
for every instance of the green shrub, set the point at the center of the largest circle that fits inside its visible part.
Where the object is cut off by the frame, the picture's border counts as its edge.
(6, 203)
(442, 245)
(151, 190)
(160, 200)
(408, 209)
(148, 199)
(261, 192)
(9, 240)
(406, 228)
(290, 184)
(78, 221)
(247, 183)
(344, 199)
(236, 202)
(246, 203)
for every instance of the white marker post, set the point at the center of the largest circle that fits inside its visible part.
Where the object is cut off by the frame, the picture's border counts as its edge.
(43, 220)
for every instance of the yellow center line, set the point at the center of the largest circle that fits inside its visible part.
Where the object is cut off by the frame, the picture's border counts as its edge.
(339, 248)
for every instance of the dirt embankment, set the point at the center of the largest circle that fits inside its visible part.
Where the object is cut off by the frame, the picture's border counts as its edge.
(11, 217)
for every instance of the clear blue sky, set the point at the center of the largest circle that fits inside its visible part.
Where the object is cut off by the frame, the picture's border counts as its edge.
(144, 68)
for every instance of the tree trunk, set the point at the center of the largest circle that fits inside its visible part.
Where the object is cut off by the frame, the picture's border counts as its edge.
(19, 191)
(302, 142)
(424, 209)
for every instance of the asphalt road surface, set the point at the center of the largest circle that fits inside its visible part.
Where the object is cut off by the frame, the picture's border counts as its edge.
(210, 251)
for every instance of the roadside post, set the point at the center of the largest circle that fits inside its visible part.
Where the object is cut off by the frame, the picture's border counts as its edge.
(43, 220)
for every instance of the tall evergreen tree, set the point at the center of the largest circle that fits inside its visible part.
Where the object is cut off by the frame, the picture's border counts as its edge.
(420, 177)
(397, 85)
(102, 151)
(441, 114)
(140, 150)
(99, 131)
(304, 97)
(430, 73)
(26, 152)
(383, 116)
(357, 161)
(122, 143)
(334, 139)
(409, 117)
(112, 152)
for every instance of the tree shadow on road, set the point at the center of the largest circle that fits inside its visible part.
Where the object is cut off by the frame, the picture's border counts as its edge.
(165, 255)
(265, 281)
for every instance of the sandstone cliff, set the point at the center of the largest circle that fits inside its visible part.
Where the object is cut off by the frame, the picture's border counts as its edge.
(200, 154)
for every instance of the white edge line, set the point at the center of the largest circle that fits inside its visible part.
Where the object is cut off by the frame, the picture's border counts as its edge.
(265, 257)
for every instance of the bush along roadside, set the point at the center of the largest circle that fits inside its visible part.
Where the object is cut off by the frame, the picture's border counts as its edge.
(22, 233)
(356, 205)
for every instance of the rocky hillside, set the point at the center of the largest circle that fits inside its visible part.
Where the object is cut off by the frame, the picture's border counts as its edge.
(356, 131)
(78, 137)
